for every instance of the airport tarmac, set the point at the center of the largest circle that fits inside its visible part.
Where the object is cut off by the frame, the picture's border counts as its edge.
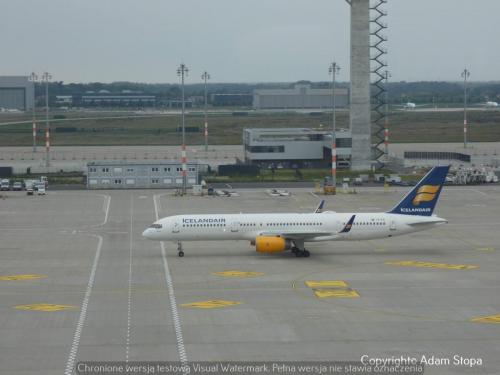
(79, 283)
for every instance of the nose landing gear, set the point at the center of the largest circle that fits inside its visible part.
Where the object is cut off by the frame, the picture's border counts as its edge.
(179, 250)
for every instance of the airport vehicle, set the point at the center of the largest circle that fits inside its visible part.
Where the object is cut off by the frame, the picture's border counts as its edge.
(43, 180)
(29, 190)
(17, 186)
(5, 184)
(226, 193)
(29, 184)
(277, 232)
(278, 193)
(41, 189)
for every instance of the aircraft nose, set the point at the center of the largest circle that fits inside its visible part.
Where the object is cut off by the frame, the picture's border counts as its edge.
(147, 233)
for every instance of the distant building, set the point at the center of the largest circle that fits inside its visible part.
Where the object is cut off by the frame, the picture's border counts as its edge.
(177, 103)
(17, 92)
(295, 147)
(64, 100)
(220, 100)
(300, 96)
(118, 100)
(139, 175)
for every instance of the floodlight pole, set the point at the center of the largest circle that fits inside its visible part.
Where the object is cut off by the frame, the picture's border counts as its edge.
(386, 119)
(334, 70)
(34, 78)
(182, 71)
(465, 75)
(46, 77)
(206, 77)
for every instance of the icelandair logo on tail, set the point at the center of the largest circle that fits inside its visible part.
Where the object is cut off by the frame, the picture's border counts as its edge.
(425, 193)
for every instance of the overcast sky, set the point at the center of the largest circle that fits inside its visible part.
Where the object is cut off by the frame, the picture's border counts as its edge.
(240, 40)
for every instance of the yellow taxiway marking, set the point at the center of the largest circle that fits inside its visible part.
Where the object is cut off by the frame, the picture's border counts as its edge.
(331, 288)
(414, 263)
(326, 284)
(494, 319)
(44, 307)
(236, 273)
(21, 277)
(338, 293)
(213, 304)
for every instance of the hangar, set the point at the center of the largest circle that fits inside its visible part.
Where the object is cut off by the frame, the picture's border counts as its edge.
(17, 92)
(301, 96)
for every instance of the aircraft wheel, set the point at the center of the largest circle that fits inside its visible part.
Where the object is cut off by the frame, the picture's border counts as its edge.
(181, 254)
(306, 253)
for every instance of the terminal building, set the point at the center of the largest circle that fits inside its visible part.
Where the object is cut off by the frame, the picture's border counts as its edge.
(301, 96)
(295, 147)
(140, 175)
(17, 92)
(118, 100)
(243, 100)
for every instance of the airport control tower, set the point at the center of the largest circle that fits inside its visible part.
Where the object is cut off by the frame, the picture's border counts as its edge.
(360, 119)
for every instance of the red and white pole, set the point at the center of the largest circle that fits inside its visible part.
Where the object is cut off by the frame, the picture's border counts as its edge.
(465, 132)
(34, 136)
(206, 136)
(47, 146)
(47, 140)
(386, 139)
(334, 162)
(184, 161)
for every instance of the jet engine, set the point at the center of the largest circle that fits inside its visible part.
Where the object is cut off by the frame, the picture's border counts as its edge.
(267, 244)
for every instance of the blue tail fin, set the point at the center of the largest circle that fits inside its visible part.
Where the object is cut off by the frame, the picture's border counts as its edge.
(422, 199)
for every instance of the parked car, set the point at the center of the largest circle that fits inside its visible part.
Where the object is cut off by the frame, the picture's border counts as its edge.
(41, 189)
(5, 184)
(18, 186)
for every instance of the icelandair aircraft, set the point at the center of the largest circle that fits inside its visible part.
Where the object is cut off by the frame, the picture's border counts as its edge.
(278, 232)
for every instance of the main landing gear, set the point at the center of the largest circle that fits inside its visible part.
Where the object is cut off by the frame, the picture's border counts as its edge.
(300, 253)
(299, 250)
(179, 250)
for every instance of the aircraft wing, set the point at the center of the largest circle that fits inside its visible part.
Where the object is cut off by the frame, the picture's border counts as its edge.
(309, 234)
(296, 235)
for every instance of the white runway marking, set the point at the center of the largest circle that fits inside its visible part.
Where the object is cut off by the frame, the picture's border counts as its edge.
(105, 207)
(173, 304)
(70, 364)
(129, 308)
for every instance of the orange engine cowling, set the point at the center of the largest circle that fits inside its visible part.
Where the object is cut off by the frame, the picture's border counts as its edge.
(265, 244)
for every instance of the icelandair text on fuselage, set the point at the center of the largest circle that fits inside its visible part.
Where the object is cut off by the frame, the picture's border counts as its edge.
(203, 221)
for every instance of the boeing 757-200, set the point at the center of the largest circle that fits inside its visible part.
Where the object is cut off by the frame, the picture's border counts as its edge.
(278, 232)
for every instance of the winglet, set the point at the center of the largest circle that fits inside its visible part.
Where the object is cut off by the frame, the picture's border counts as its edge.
(422, 199)
(348, 226)
(319, 209)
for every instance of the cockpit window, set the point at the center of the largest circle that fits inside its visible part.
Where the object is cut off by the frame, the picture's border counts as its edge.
(156, 226)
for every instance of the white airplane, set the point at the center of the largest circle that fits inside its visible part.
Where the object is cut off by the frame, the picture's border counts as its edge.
(489, 104)
(409, 105)
(277, 232)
